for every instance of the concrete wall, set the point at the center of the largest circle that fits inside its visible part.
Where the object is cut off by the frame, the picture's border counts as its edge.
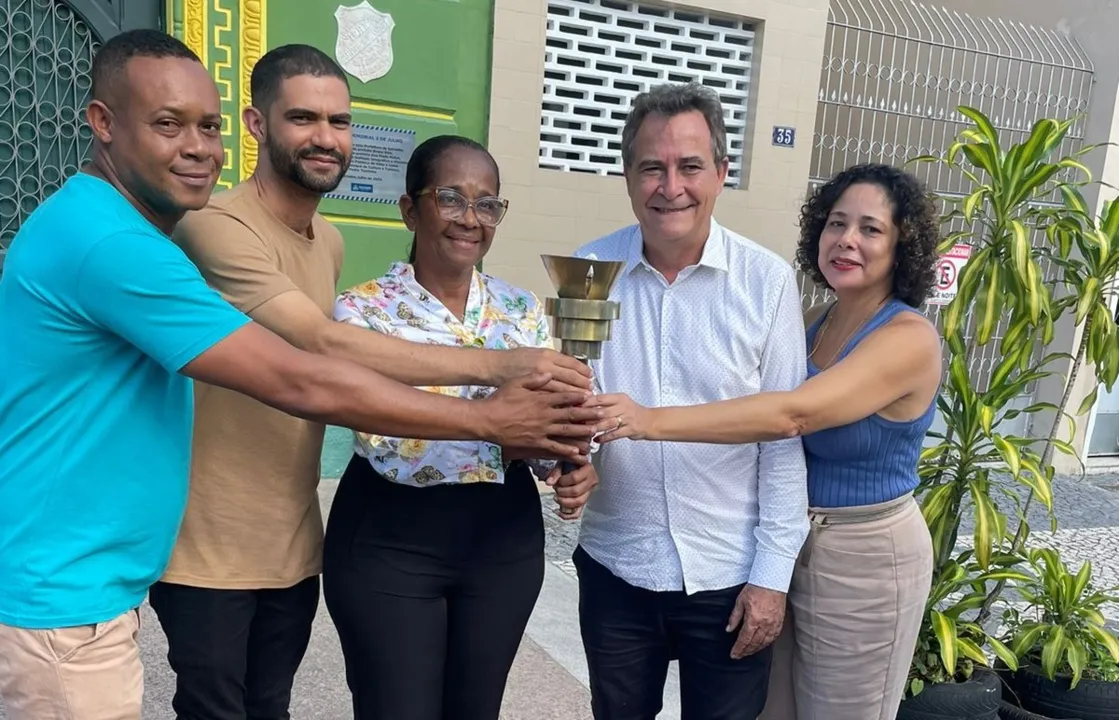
(554, 212)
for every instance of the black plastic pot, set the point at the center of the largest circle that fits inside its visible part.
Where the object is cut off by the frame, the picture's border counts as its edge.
(976, 699)
(1091, 700)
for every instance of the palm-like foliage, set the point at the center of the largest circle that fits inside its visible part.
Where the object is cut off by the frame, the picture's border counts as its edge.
(950, 645)
(1024, 217)
(1062, 630)
(1085, 253)
(956, 472)
(1004, 275)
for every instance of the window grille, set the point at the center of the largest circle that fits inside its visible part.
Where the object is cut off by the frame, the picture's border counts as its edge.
(601, 53)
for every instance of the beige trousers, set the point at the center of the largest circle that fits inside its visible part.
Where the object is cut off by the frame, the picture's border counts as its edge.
(89, 672)
(855, 606)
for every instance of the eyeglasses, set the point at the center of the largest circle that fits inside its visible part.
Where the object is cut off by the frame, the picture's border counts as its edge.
(453, 206)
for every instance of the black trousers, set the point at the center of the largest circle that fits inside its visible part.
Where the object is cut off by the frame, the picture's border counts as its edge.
(235, 652)
(430, 590)
(630, 635)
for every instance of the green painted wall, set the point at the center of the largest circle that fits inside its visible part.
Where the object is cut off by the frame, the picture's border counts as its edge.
(439, 83)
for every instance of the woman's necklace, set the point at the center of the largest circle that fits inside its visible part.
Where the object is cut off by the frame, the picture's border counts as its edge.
(827, 323)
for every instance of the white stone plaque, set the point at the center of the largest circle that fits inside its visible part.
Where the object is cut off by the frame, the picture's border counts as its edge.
(364, 45)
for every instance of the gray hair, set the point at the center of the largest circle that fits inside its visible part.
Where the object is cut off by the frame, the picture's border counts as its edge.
(670, 100)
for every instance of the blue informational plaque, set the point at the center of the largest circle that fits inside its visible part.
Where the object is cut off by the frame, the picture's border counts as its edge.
(380, 158)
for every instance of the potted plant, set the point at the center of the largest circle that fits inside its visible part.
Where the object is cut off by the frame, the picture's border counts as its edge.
(1012, 234)
(1069, 659)
(1082, 251)
(950, 675)
(956, 472)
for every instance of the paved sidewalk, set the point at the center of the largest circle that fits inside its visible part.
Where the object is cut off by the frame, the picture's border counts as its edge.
(549, 678)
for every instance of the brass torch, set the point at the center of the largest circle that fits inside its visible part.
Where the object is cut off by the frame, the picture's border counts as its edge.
(582, 314)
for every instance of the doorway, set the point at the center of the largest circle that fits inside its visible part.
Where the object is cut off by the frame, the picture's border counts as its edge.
(46, 54)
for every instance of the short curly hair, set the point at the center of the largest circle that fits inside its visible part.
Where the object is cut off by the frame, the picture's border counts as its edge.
(915, 216)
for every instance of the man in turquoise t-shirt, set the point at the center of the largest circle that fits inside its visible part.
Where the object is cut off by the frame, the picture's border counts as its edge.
(103, 321)
(98, 315)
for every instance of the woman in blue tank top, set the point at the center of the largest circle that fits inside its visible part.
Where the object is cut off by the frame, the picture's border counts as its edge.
(858, 593)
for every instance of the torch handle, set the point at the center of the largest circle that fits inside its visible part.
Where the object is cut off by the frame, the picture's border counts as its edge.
(565, 466)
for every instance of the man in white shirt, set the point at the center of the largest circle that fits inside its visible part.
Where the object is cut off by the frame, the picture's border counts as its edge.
(686, 550)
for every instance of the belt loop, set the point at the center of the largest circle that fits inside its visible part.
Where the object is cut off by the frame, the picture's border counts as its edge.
(817, 522)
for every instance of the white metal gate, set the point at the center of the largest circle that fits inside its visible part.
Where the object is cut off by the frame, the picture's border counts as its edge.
(894, 73)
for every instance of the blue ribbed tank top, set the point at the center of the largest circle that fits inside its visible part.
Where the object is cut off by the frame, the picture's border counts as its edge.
(869, 461)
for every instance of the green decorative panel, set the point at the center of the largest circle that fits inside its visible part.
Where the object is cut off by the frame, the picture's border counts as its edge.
(438, 83)
(46, 52)
(228, 36)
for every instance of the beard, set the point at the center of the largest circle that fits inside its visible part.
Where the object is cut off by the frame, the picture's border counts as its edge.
(287, 163)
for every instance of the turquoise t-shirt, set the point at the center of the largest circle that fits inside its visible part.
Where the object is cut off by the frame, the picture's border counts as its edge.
(99, 310)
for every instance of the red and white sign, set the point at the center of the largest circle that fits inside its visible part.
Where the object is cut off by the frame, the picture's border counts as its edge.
(948, 274)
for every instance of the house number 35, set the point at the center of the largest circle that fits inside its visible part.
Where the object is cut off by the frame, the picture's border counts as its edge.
(784, 136)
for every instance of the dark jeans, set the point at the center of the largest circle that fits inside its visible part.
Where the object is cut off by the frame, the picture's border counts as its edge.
(235, 652)
(630, 635)
(430, 590)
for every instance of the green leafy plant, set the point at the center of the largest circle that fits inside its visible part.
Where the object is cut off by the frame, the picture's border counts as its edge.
(1009, 209)
(956, 472)
(950, 646)
(1062, 631)
(1038, 256)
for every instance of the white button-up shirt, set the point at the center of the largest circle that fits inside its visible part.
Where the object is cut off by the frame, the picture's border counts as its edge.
(691, 516)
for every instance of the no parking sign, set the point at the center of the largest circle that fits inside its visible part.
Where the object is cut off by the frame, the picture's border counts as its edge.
(948, 274)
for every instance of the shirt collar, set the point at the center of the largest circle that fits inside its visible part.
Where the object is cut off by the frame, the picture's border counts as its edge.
(402, 271)
(714, 250)
(405, 273)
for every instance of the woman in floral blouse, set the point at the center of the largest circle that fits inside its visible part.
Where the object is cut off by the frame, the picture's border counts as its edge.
(434, 551)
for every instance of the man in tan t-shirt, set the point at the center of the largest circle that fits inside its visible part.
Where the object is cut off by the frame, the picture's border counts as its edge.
(238, 599)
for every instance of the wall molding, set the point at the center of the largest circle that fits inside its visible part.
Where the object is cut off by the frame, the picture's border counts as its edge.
(254, 43)
(230, 36)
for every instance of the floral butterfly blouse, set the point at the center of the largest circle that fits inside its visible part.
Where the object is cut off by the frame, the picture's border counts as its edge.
(498, 317)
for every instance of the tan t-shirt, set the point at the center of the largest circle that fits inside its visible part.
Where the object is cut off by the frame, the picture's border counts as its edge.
(253, 519)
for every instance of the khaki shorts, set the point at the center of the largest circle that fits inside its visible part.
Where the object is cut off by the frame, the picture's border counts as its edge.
(88, 672)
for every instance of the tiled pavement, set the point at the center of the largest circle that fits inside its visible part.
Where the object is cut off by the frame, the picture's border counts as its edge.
(548, 681)
(1087, 514)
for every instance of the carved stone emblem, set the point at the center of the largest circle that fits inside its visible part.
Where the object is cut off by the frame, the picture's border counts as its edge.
(364, 46)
